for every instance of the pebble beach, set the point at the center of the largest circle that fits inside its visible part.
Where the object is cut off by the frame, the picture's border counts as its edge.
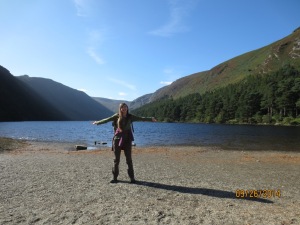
(51, 183)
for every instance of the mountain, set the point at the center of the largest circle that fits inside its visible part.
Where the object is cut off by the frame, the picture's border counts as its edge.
(27, 98)
(18, 102)
(112, 105)
(140, 101)
(261, 61)
(76, 105)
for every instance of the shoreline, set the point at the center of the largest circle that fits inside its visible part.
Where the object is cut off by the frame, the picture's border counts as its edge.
(8, 144)
(44, 183)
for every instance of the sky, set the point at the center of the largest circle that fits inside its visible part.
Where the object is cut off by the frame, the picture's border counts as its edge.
(122, 50)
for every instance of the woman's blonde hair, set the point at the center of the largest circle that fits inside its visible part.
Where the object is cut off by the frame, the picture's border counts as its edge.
(120, 114)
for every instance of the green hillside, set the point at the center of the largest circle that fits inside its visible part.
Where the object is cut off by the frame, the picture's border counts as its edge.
(258, 87)
(258, 99)
(261, 61)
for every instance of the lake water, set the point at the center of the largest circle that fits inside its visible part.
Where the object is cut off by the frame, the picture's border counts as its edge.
(239, 137)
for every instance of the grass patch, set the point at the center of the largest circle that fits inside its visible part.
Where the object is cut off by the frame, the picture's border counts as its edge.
(8, 144)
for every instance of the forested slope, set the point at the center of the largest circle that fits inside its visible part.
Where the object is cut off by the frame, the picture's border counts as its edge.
(272, 98)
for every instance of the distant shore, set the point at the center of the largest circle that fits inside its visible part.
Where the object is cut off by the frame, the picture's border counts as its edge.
(50, 183)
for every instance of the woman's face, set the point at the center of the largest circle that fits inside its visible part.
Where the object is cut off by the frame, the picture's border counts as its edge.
(124, 109)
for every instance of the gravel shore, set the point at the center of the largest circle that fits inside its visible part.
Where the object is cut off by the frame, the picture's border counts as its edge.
(47, 183)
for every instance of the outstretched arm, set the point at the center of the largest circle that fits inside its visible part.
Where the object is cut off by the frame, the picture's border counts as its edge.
(112, 118)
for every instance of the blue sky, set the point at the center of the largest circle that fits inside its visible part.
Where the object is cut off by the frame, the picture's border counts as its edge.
(124, 49)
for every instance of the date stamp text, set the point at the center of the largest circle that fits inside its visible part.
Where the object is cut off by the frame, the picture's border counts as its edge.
(265, 193)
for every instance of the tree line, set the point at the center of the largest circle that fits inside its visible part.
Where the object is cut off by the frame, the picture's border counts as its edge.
(272, 98)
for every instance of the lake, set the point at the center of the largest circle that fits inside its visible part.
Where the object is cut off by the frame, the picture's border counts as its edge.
(238, 137)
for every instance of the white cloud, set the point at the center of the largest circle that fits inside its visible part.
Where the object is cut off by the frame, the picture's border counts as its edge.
(81, 7)
(95, 39)
(178, 10)
(82, 89)
(123, 83)
(170, 74)
(166, 82)
(91, 52)
(122, 94)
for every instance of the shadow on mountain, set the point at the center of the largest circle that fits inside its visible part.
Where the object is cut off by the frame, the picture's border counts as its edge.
(19, 102)
(75, 104)
(27, 98)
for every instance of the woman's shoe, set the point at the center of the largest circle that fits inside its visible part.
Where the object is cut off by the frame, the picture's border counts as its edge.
(114, 181)
(133, 181)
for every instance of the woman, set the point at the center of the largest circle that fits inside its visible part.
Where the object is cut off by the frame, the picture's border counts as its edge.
(123, 138)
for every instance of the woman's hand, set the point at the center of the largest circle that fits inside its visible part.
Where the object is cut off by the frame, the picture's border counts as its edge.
(95, 122)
